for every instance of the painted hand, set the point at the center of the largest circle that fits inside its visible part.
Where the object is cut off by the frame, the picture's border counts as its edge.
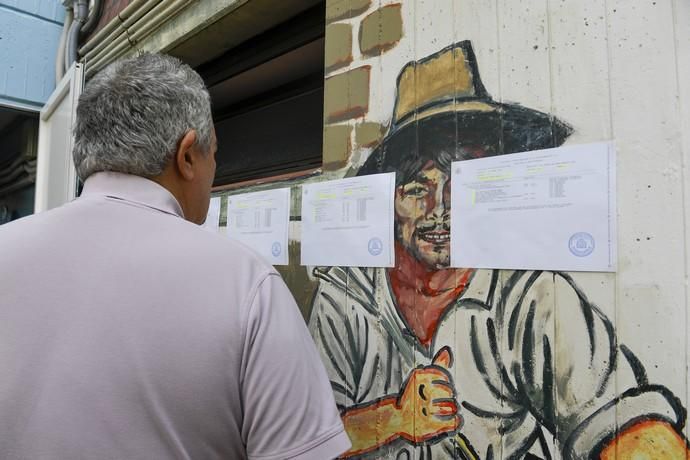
(427, 405)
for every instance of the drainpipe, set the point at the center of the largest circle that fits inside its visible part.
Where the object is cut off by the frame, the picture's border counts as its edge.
(81, 11)
(92, 20)
(60, 57)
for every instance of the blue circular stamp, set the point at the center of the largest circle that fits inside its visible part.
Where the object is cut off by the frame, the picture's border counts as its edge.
(276, 249)
(581, 244)
(375, 246)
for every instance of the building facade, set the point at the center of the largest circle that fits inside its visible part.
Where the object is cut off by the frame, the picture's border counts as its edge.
(536, 364)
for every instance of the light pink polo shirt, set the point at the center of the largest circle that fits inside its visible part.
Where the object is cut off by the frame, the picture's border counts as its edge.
(127, 332)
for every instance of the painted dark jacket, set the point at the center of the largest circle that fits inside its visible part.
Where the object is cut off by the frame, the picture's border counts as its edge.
(537, 368)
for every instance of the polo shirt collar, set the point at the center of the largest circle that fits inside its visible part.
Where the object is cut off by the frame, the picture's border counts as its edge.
(134, 189)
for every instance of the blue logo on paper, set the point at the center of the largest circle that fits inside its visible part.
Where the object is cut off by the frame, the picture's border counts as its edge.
(581, 244)
(375, 246)
(276, 249)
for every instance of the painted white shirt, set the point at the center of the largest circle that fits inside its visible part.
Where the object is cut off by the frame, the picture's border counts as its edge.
(533, 372)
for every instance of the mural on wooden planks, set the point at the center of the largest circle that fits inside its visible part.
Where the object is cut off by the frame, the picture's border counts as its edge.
(431, 362)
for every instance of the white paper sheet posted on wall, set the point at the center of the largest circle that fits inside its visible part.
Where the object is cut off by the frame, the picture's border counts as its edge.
(552, 209)
(260, 220)
(349, 222)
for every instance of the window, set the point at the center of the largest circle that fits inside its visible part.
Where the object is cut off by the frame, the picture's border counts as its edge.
(267, 96)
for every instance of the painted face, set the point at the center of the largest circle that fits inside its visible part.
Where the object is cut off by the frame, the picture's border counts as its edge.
(422, 213)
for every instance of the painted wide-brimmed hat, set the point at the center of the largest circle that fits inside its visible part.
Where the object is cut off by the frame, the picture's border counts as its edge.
(445, 88)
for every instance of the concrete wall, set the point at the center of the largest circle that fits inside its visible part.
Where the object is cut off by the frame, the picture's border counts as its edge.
(542, 362)
(29, 35)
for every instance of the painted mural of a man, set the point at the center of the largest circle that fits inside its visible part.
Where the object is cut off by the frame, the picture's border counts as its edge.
(428, 361)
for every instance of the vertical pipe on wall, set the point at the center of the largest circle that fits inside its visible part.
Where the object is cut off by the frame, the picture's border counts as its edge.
(60, 57)
(92, 20)
(81, 11)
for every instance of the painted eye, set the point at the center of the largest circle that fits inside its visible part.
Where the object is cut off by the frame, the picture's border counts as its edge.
(414, 190)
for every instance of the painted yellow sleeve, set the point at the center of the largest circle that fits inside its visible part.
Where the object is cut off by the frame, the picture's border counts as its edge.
(648, 440)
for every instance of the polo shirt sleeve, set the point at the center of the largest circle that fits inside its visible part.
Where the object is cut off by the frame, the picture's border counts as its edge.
(287, 401)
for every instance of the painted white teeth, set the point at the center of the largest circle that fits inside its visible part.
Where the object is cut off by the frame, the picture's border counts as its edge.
(436, 238)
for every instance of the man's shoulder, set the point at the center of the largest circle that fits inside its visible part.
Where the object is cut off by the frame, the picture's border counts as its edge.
(153, 237)
(28, 232)
(218, 250)
(18, 226)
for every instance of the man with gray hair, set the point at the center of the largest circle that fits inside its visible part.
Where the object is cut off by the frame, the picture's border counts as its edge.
(126, 331)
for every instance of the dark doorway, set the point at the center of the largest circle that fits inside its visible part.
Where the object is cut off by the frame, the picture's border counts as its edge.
(267, 96)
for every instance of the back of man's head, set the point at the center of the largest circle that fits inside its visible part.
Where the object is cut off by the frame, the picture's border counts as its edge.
(133, 113)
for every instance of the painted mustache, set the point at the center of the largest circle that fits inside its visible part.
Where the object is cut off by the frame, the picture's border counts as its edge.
(435, 233)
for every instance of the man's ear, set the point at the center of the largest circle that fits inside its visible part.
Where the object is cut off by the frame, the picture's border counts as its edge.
(184, 157)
